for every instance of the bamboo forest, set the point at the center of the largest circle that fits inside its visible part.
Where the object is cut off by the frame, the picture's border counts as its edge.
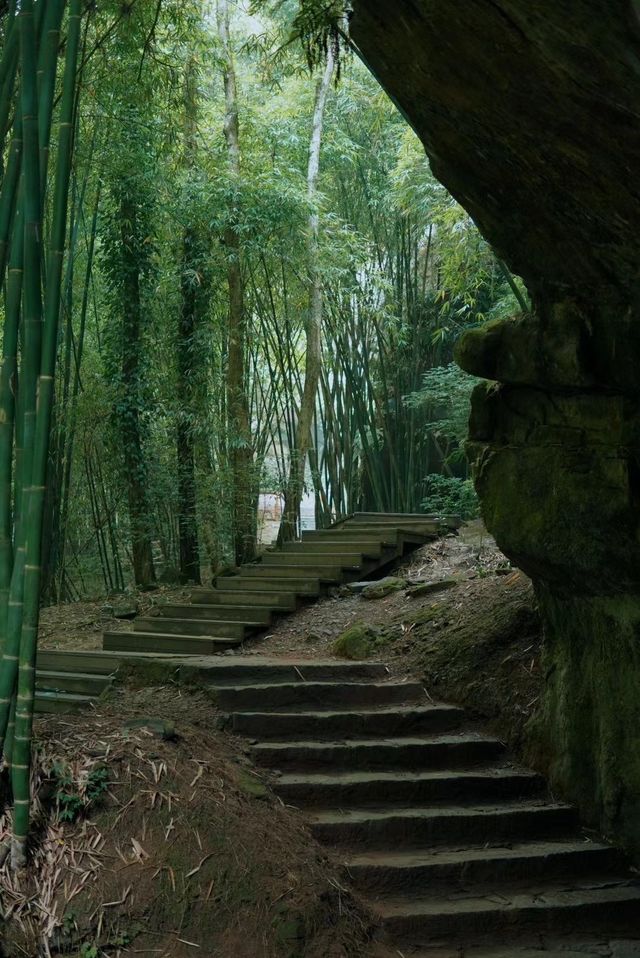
(280, 280)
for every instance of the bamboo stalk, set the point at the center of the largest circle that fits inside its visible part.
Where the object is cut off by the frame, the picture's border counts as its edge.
(28, 642)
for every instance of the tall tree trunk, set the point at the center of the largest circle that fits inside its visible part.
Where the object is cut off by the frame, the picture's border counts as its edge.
(129, 418)
(290, 525)
(240, 438)
(191, 288)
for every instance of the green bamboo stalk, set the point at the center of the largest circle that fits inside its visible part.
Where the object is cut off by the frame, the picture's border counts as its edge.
(26, 680)
(9, 190)
(8, 372)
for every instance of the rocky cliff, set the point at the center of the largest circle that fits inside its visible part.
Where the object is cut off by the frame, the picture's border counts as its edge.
(530, 114)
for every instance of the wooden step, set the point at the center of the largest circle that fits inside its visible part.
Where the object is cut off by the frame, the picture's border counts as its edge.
(302, 560)
(168, 643)
(305, 585)
(83, 683)
(203, 627)
(285, 601)
(62, 702)
(372, 548)
(320, 571)
(215, 613)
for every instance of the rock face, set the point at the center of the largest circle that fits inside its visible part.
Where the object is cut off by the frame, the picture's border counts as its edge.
(530, 114)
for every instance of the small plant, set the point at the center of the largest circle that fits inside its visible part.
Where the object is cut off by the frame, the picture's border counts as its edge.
(450, 495)
(76, 793)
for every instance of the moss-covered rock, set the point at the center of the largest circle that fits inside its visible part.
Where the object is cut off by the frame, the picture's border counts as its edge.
(384, 587)
(359, 641)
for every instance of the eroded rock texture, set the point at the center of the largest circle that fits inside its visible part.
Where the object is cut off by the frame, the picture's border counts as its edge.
(530, 114)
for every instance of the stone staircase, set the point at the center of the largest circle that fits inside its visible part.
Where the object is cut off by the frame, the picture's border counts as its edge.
(456, 850)
(242, 606)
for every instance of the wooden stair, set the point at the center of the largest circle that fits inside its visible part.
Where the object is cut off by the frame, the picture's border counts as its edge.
(241, 606)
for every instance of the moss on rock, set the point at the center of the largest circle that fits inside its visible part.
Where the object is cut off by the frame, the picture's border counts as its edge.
(359, 641)
(383, 587)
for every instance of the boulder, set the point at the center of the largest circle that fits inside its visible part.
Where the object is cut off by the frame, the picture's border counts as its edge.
(359, 641)
(383, 587)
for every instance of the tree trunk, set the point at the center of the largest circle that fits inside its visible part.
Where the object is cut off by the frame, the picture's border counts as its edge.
(190, 310)
(290, 524)
(129, 418)
(240, 437)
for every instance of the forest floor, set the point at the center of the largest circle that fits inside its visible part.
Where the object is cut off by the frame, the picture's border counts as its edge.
(157, 836)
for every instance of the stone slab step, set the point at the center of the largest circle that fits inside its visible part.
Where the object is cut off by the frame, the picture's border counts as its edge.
(317, 695)
(575, 946)
(328, 725)
(191, 627)
(256, 671)
(84, 683)
(421, 827)
(303, 585)
(216, 613)
(393, 872)
(546, 909)
(167, 643)
(446, 751)
(61, 702)
(363, 789)
(270, 599)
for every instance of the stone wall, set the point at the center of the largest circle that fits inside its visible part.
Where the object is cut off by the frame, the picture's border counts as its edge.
(530, 114)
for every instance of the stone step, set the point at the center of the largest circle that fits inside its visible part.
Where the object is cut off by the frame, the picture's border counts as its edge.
(421, 827)
(372, 548)
(612, 909)
(321, 571)
(328, 725)
(84, 683)
(255, 671)
(304, 585)
(317, 695)
(340, 559)
(444, 751)
(216, 613)
(61, 702)
(574, 946)
(167, 643)
(206, 627)
(362, 789)
(271, 599)
(394, 872)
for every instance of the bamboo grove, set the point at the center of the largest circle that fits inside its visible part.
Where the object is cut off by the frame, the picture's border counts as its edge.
(223, 276)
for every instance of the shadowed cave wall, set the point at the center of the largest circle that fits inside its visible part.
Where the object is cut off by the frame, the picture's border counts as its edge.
(529, 113)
